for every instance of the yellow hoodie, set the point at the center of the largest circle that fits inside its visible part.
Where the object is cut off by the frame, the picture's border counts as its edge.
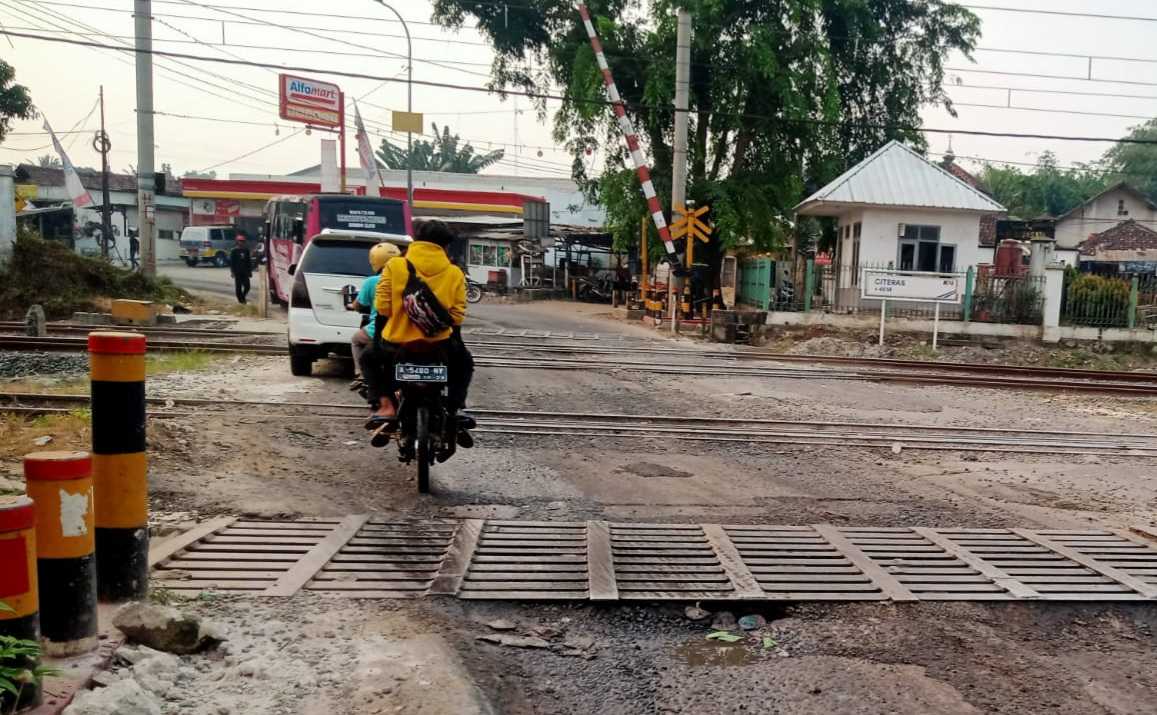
(444, 278)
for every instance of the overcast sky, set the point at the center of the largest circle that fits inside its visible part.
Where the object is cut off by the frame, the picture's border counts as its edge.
(64, 81)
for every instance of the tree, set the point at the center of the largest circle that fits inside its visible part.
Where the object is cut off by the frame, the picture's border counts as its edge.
(1047, 189)
(785, 94)
(1136, 163)
(15, 101)
(48, 161)
(445, 153)
(199, 175)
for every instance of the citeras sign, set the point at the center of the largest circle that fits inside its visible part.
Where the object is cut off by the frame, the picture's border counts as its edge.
(914, 287)
(311, 102)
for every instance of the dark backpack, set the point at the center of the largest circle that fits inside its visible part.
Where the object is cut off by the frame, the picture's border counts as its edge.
(423, 307)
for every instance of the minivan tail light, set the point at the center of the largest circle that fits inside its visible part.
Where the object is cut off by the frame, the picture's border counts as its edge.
(299, 297)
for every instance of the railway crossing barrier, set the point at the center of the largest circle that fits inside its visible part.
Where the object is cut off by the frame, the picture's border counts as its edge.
(19, 616)
(60, 487)
(120, 464)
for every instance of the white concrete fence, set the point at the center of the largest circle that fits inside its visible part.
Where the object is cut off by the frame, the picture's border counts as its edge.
(1049, 331)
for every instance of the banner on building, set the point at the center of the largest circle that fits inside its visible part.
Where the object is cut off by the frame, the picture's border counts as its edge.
(76, 191)
(366, 155)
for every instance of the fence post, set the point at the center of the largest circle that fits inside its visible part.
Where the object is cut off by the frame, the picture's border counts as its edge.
(60, 485)
(809, 285)
(18, 588)
(1133, 303)
(969, 280)
(120, 465)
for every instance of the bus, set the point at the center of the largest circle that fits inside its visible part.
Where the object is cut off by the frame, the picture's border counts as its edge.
(291, 221)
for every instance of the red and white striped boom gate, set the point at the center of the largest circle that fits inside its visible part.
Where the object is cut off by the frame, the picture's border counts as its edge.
(653, 204)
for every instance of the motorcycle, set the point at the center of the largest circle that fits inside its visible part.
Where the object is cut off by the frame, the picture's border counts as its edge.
(427, 432)
(474, 290)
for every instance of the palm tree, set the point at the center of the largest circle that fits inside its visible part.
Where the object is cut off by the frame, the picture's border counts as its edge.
(48, 161)
(445, 153)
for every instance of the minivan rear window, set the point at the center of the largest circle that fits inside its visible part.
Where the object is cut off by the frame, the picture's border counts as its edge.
(344, 258)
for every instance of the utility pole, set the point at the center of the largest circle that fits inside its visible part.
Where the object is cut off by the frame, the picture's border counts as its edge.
(409, 103)
(102, 145)
(679, 159)
(146, 178)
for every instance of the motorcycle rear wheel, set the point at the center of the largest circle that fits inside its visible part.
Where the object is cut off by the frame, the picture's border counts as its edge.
(473, 293)
(425, 449)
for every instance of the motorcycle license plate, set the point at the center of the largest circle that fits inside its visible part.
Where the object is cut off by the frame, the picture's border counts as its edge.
(420, 373)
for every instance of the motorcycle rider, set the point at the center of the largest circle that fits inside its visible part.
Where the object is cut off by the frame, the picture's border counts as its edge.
(394, 329)
(364, 302)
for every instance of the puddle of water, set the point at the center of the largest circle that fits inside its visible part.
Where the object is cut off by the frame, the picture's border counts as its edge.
(705, 652)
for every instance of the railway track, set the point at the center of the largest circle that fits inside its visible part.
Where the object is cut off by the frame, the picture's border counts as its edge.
(718, 363)
(665, 427)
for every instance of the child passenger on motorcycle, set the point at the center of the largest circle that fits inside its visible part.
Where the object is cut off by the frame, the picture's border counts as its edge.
(395, 331)
(364, 303)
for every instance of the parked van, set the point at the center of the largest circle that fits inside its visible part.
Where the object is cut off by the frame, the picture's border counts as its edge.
(207, 244)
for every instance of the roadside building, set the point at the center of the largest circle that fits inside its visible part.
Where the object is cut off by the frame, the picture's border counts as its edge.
(47, 207)
(1128, 247)
(896, 208)
(493, 215)
(1117, 204)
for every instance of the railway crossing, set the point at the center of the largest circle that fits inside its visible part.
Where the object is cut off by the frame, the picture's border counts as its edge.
(377, 557)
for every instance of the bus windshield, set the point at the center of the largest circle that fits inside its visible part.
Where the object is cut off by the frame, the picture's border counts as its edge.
(381, 216)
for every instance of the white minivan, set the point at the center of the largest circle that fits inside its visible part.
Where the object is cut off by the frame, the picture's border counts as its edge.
(334, 262)
(207, 244)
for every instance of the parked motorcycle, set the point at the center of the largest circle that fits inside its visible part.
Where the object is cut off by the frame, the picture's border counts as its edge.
(474, 290)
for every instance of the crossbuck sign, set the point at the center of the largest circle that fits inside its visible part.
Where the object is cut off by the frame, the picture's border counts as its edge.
(885, 285)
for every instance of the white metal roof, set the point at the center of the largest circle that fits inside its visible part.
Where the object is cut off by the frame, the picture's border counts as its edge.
(897, 176)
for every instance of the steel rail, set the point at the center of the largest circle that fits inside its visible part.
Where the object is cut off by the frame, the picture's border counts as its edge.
(19, 326)
(311, 407)
(747, 355)
(863, 435)
(1127, 386)
(713, 354)
(932, 445)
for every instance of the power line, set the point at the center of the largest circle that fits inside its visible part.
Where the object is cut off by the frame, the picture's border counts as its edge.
(273, 48)
(182, 78)
(248, 154)
(1068, 78)
(1069, 55)
(309, 33)
(1053, 111)
(598, 102)
(1070, 92)
(1062, 13)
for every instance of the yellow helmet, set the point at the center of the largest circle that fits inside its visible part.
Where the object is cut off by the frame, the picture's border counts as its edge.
(380, 254)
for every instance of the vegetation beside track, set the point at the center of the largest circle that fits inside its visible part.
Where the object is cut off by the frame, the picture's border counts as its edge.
(49, 274)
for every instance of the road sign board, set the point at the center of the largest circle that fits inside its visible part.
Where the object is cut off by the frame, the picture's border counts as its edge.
(310, 101)
(912, 286)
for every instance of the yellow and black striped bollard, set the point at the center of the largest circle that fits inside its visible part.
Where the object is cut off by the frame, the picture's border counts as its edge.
(60, 486)
(19, 615)
(120, 466)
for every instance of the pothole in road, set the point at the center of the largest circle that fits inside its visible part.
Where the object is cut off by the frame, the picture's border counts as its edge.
(650, 470)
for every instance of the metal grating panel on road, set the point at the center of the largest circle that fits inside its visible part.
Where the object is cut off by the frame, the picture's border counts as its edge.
(601, 561)
(529, 560)
(387, 559)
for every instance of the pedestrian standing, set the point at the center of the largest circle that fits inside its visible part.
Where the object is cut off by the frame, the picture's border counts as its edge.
(134, 250)
(241, 266)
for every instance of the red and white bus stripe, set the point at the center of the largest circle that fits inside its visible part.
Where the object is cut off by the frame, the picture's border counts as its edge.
(629, 132)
